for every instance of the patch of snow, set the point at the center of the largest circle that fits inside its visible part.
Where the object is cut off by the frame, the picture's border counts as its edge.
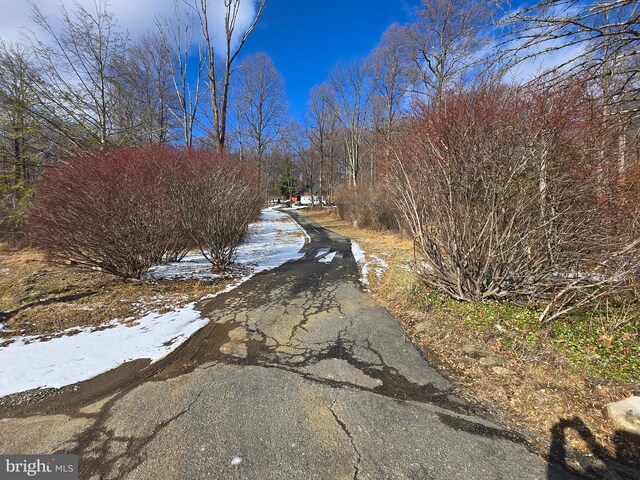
(380, 265)
(69, 359)
(235, 461)
(192, 267)
(273, 240)
(28, 363)
(582, 276)
(324, 255)
(4, 271)
(361, 260)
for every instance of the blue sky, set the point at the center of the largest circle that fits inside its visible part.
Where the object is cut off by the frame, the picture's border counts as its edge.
(307, 38)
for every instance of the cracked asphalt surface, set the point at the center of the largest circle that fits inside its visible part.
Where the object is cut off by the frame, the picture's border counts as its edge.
(300, 375)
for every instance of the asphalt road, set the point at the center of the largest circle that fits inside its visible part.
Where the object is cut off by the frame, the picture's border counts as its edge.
(300, 375)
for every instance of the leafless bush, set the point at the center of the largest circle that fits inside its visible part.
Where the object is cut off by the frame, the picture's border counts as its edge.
(217, 199)
(129, 209)
(501, 200)
(110, 212)
(368, 207)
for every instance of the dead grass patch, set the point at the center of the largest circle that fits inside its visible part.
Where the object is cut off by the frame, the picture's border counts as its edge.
(530, 391)
(40, 299)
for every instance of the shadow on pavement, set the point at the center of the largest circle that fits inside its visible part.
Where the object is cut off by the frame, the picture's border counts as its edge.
(599, 463)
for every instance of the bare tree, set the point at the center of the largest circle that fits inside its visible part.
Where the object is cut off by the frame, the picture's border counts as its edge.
(260, 106)
(148, 93)
(78, 92)
(351, 85)
(23, 144)
(600, 41)
(390, 64)
(178, 39)
(321, 126)
(220, 81)
(19, 128)
(447, 40)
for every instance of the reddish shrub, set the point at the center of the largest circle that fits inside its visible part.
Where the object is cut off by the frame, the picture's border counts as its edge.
(217, 199)
(110, 212)
(128, 209)
(484, 187)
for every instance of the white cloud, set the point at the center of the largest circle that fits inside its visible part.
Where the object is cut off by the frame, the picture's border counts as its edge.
(134, 16)
(546, 55)
(531, 67)
(14, 18)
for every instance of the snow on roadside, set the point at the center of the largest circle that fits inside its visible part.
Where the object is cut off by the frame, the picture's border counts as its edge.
(27, 363)
(273, 240)
(65, 360)
(361, 260)
(328, 257)
(380, 266)
(192, 267)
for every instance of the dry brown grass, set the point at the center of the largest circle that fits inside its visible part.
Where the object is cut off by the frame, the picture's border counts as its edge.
(531, 395)
(43, 299)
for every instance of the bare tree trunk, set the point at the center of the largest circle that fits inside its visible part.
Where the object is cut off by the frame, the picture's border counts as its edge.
(178, 39)
(219, 87)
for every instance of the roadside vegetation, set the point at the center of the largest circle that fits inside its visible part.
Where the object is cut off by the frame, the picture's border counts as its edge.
(40, 299)
(102, 218)
(129, 209)
(502, 359)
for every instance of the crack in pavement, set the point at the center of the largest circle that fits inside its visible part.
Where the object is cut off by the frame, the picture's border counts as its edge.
(343, 426)
(96, 444)
(265, 351)
(327, 304)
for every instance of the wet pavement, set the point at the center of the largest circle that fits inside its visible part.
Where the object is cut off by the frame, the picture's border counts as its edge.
(300, 375)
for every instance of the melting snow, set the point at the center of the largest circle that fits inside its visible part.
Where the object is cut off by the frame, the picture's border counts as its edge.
(361, 260)
(328, 258)
(379, 265)
(272, 241)
(65, 360)
(26, 363)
